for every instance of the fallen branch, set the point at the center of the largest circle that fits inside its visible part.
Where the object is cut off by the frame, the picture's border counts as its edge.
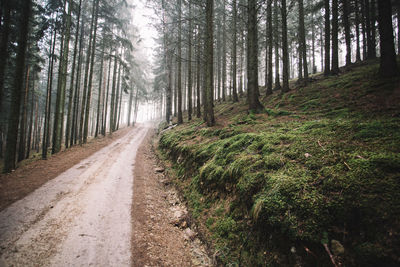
(330, 255)
(347, 165)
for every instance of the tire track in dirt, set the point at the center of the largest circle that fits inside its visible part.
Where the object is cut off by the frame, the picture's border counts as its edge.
(80, 218)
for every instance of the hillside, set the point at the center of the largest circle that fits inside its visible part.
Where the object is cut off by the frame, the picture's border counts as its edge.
(316, 173)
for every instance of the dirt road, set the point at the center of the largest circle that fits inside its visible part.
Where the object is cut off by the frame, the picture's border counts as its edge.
(80, 218)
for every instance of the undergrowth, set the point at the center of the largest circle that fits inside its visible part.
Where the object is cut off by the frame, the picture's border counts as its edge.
(314, 168)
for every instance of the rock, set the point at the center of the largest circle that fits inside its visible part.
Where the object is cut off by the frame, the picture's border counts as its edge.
(179, 217)
(159, 169)
(189, 234)
(337, 247)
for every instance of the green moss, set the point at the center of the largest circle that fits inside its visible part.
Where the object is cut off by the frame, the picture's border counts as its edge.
(266, 183)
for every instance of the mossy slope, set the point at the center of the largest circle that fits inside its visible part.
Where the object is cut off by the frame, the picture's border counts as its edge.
(321, 163)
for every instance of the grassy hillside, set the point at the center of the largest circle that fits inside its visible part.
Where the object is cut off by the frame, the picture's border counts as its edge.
(317, 172)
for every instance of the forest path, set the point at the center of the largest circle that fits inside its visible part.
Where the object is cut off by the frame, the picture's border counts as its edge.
(80, 218)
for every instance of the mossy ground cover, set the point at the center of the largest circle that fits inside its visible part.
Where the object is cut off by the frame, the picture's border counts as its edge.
(321, 165)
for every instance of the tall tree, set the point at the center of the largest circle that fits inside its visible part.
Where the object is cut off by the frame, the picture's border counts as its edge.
(388, 65)
(270, 42)
(234, 52)
(224, 52)
(62, 81)
(327, 64)
(209, 63)
(189, 63)
(12, 133)
(285, 48)
(180, 117)
(22, 134)
(346, 24)
(71, 87)
(357, 25)
(276, 40)
(252, 61)
(303, 44)
(335, 39)
(5, 32)
(89, 92)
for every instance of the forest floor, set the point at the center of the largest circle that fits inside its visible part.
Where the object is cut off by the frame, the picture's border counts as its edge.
(113, 208)
(311, 179)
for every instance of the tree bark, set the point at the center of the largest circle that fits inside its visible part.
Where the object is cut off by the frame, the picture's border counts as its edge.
(335, 40)
(3, 47)
(89, 93)
(327, 62)
(12, 133)
(276, 39)
(252, 66)
(234, 52)
(388, 65)
(303, 39)
(224, 52)
(285, 52)
(100, 90)
(357, 25)
(209, 64)
(22, 130)
(61, 88)
(189, 96)
(270, 42)
(46, 130)
(105, 105)
(180, 117)
(71, 87)
(346, 24)
(29, 141)
(198, 70)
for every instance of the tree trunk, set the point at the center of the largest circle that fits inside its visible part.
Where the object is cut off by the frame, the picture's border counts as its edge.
(86, 77)
(335, 40)
(29, 142)
(209, 64)
(314, 66)
(224, 52)
(234, 52)
(61, 88)
(100, 90)
(364, 29)
(12, 133)
(3, 46)
(189, 97)
(303, 39)
(180, 118)
(118, 92)
(112, 106)
(46, 130)
(276, 38)
(388, 65)
(346, 14)
(22, 130)
(285, 52)
(357, 25)
(71, 87)
(75, 127)
(89, 93)
(270, 42)
(327, 64)
(130, 104)
(198, 69)
(373, 28)
(105, 105)
(252, 69)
